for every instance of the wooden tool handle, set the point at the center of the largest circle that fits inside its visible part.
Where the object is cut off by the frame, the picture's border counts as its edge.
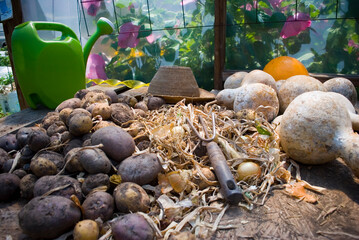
(229, 188)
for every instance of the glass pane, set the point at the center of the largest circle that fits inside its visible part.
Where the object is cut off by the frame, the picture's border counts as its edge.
(348, 9)
(336, 50)
(153, 35)
(161, 48)
(166, 14)
(325, 47)
(135, 11)
(251, 46)
(92, 10)
(198, 13)
(242, 11)
(275, 10)
(62, 11)
(318, 9)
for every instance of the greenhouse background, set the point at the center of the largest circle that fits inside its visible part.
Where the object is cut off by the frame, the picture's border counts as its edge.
(323, 34)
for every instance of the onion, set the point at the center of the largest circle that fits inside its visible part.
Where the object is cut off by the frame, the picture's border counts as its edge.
(202, 184)
(247, 170)
(178, 132)
(178, 180)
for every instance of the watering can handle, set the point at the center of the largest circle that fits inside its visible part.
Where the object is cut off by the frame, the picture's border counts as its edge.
(51, 26)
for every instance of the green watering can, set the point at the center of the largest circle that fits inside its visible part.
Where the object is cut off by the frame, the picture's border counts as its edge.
(51, 71)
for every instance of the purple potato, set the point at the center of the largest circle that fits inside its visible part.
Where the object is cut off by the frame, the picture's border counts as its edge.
(9, 186)
(117, 143)
(99, 205)
(132, 227)
(8, 142)
(48, 217)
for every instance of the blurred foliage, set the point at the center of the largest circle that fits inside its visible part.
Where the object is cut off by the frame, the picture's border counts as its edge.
(4, 60)
(330, 45)
(181, 40)
(7, 79)
(7, 83)
(3, 114)
(184, 36)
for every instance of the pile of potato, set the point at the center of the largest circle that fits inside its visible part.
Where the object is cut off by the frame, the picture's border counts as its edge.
(82, 168)
(68, 167)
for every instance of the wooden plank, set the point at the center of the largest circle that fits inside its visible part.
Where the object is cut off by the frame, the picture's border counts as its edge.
(219, 42)
(325, 76)
(25, 118)
(9, 26)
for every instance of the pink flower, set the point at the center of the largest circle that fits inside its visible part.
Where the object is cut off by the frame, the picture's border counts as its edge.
(128, 35)
(132, 6)
(249, 6)
(351, 43)
(92, 7)
(153, 37)
(295, 25)
(275, 3)
(95, 67)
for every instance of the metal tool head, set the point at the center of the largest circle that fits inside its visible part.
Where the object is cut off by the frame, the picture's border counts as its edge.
(229, 189)
(206, 138)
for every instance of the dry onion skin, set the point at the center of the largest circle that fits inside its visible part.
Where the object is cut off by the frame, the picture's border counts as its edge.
(183, 197)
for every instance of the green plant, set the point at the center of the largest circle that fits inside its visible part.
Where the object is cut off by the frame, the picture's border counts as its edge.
(4, 60)
(8, 79)
(7, 83)
(2, 114)
(170, 38)
(324, 37)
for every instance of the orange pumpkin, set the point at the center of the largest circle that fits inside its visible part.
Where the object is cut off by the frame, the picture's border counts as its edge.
(284, 67)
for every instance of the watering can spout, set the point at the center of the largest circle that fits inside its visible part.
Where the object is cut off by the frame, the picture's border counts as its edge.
(104, 27)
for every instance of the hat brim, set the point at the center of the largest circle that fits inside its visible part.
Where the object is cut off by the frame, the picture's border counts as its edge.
(204, 96)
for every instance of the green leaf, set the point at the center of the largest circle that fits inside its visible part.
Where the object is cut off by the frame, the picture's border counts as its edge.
(152, 49)
(261, 130)
(306, 56)
(170, 54)
(278, 17)
(170, 30)
(248, 195)
(119, 4)
(250, 16)
(263, 4)
(230, 22)
(144, 31)
(105, 40)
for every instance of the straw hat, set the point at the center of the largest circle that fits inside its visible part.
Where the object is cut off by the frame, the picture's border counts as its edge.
(176, 83)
